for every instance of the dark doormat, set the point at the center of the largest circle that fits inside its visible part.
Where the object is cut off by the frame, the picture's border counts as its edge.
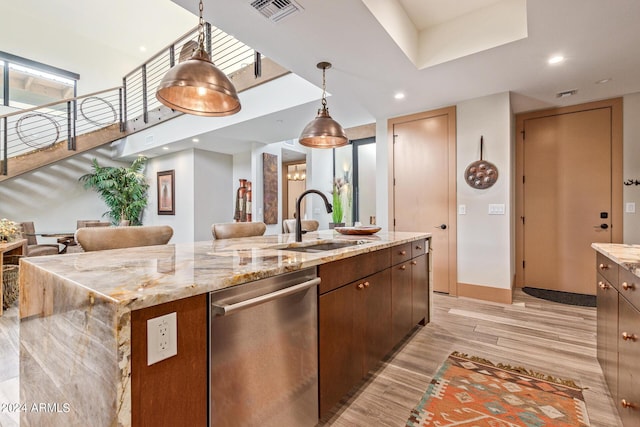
(562, 297)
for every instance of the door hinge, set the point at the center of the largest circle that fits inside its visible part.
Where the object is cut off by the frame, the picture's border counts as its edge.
(394, 138)
(522, 263)
(394, 181)
(522, 218)
(523, 134)
(523, 179)
(394, 222)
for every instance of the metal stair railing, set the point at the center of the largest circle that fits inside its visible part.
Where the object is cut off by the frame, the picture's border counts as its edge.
(38, 128)
(133, 105)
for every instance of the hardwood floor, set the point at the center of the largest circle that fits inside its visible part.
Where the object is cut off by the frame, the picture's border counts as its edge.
(540, 335)
(556, 339)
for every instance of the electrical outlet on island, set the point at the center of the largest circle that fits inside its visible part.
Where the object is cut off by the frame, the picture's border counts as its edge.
(162, 338)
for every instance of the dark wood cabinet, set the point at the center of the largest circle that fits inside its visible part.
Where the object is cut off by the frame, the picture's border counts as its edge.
(401, 296)
(410, 288)
(628, 400)
(618, 337)
(367, 304)
(607, 300)
(354, 334)
(173, 391)
(420, 289)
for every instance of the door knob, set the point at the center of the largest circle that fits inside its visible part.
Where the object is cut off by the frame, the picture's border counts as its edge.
(441, 226)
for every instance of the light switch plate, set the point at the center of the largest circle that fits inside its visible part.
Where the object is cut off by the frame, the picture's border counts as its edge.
(462, 209)
(496, 209)
(630, 207)
(162, 338)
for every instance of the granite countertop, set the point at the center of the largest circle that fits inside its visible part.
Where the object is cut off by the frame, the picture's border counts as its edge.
(135, 278)
(627, 256)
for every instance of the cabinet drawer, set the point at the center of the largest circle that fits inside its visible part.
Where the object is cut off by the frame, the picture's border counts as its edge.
(419, 247)
(341, 272)
(629, 287)
(401, 253)
(607, 268)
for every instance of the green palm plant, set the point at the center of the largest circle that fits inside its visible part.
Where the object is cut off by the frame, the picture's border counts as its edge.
(124, 190)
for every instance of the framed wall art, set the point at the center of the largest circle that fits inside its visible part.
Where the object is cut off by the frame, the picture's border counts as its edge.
(166, 193)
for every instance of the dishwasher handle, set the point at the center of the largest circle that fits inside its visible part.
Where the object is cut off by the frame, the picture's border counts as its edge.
(222, 309)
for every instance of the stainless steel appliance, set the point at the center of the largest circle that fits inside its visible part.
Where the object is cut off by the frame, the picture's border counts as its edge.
(264, 352)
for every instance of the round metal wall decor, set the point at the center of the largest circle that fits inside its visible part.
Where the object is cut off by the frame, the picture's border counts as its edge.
(38, 130)
(481, 174)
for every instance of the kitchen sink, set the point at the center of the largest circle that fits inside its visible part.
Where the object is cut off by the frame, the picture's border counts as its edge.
(321, 247)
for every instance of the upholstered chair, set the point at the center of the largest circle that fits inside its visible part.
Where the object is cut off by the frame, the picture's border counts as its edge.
(102, 238)
(92, 223)
(289, 225)
(33, 247)
(230, 230)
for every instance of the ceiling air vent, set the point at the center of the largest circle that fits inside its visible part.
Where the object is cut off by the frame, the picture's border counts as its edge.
(276, 10)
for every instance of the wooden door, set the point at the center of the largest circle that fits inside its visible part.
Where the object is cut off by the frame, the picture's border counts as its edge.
(569, 195)
(424, 186)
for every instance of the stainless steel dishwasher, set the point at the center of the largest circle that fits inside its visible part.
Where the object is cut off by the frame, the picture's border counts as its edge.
(263, 351)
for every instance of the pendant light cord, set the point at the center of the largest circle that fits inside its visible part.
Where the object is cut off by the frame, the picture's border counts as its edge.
(201, 28)
(324, 89)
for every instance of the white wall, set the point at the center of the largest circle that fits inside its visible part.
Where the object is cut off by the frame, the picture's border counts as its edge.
(485, 241)
(213, 179)
(52, 197)
(631, 166)
(202, 183)
(382, 177)
(319, 177)
(183, 221)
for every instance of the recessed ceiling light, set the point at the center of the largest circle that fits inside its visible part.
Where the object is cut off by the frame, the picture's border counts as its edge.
(555, 59)
(603, 81)
(165, 148)
(399, 95)
(143, 49)
(195, 140)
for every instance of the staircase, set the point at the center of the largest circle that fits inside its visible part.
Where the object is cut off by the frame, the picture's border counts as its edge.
(36, 137)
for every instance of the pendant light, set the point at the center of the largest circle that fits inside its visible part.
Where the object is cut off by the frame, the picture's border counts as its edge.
(197, 86)
(323, 131)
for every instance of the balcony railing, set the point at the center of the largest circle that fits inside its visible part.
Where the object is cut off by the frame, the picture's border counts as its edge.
(132, 106)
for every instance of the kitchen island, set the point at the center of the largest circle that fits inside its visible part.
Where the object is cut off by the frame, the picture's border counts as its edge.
(618, 333)
(80, 312)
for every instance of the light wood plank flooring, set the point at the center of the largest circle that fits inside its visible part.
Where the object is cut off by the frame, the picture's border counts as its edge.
(540, 335)
(556, 339)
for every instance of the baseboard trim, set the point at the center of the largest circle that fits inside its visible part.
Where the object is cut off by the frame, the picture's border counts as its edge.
(485, 293)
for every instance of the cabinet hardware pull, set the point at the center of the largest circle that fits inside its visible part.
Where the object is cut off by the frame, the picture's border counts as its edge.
(414, 263)
(366, 284)
(403, 267)
(403, 252)
(627, 336)
(360, 286)
(626, 404)
(603, 285)
(627, 286)
(603, 267)
(419, 247)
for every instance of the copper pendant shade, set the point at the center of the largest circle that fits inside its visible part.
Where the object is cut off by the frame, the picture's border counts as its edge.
(323, 131)
(196, 86)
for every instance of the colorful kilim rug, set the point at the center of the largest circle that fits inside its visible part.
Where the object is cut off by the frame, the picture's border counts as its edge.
(473, 392)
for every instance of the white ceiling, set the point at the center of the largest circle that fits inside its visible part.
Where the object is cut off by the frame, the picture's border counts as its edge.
(600, 39)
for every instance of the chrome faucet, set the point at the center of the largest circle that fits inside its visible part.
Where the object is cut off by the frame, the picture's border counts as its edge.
(299, 221)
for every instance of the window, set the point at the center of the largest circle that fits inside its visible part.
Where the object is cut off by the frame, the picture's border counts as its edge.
(27, 84)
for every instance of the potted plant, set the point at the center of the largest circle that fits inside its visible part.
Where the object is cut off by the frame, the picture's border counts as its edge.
(124, 190)
(338, 212)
